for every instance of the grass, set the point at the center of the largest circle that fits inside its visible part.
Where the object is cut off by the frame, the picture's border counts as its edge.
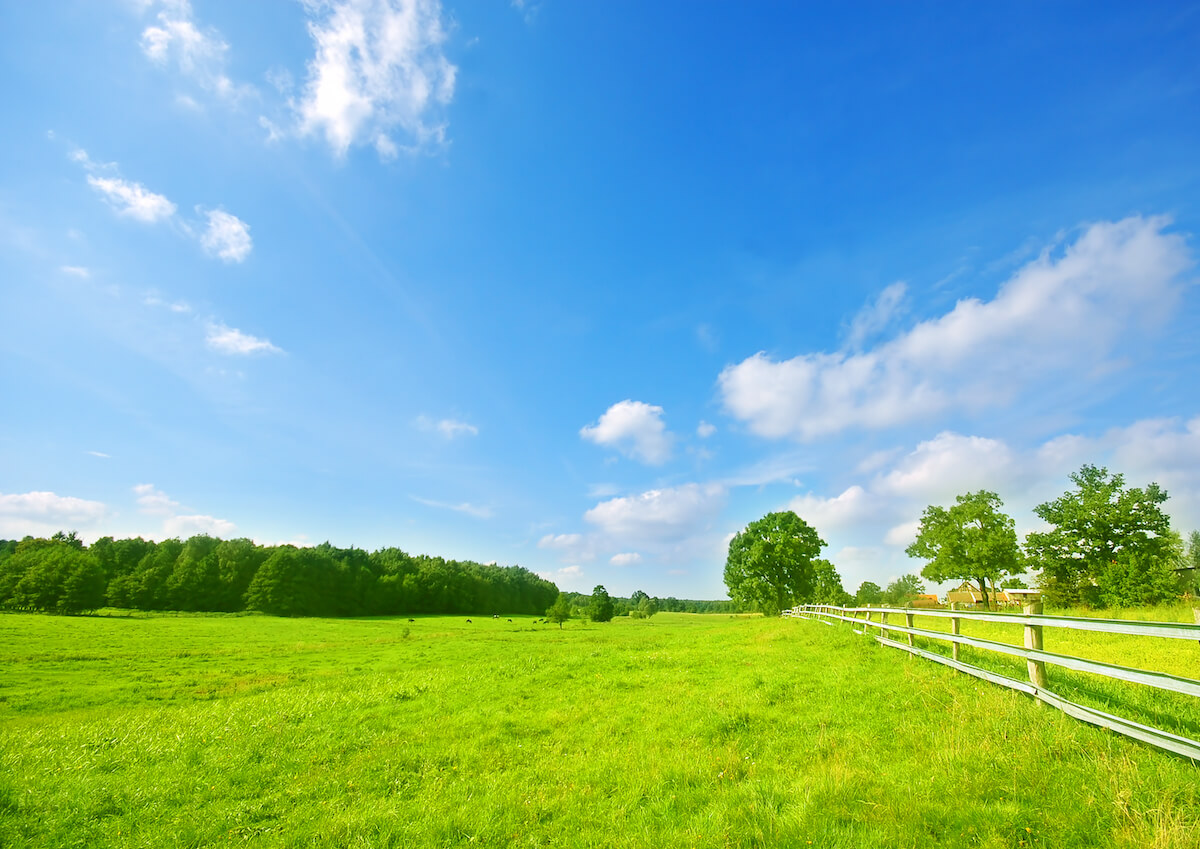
(1174, 712)
(681, 730)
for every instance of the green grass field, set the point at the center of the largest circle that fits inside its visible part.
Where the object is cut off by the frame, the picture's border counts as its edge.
(681, 730)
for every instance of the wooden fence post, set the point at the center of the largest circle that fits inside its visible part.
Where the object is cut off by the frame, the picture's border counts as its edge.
(1033, 640)
(883, 628)
(908, 622)
(955, 623)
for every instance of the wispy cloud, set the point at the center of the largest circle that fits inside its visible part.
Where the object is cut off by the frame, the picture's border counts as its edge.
(220, 233)
(153, 501)
(229, 340)
(132, 199)
(876, 316)
(1063, 311)
(187, 526)
(199, 54)
(478, 511)
(152, 299)
(75, 271)
(560, 541)
(449, 428)
(378, 69)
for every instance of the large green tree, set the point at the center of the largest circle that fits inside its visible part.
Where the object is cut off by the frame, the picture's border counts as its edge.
(770, 564)
(1105, 539)
(972, 540)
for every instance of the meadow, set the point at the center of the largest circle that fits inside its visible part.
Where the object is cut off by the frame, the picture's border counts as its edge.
(680, 730)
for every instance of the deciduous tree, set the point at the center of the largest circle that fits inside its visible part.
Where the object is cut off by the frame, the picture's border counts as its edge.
(560, 611)
(869, 592)
(601, 608)
(971, 541)
(1098, 527)
(770, 563)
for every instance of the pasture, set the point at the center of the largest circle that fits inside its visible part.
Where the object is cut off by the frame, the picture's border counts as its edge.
(681, 730)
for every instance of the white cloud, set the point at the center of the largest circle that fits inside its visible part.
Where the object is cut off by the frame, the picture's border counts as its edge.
(75, 271)
(1070, 310)
(843, 511)
(100, 454)
(223, 235)
(952, 464)
(154, 501)
(704, 430)
(40, 513)
(378, 68)
(200, 55)
(873, 520)
(568, 573)
(226, 236)
(635, 429)
(627, 558)
(903, 534)
(876, 316)
(188, 526)
(658, 515)
(450, 428)
(227, 340)
(132, 199)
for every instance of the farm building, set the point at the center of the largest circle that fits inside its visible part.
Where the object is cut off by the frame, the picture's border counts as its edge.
(968, 593)
(926, 600)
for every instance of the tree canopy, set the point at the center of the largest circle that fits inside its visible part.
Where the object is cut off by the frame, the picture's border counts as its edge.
(1108, 543)
(869, 592)
(903, 590)
(208, 574)
(601, 608)
(770, 564)
(971, 541)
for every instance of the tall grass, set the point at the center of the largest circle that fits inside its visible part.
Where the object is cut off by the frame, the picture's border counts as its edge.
(681, 730)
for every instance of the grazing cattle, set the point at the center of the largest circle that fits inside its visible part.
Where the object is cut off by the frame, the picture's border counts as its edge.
(495, 615)
(412, 620)
(508, 620)
(468, 621)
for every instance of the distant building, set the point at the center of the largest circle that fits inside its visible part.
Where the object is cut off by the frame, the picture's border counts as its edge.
(968, 593)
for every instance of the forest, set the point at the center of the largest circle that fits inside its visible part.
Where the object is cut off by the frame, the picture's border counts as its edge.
(203, 573)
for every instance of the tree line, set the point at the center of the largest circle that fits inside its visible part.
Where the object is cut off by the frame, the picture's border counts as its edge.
(1105, 544)
(204, 573)
(601, 607)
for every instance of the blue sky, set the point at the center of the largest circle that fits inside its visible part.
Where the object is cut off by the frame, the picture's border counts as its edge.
(589, 286)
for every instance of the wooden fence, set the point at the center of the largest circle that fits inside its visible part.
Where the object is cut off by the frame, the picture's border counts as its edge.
(1036, 657)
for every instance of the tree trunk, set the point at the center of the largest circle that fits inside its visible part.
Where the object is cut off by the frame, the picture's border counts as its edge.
(983, 591)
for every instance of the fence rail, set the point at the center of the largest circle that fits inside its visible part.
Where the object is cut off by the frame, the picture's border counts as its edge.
(1037, 658)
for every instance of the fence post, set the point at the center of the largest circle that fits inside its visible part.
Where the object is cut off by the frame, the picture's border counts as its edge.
(883, 628)
(1033, 640)
(908, 622)
(955, 623)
